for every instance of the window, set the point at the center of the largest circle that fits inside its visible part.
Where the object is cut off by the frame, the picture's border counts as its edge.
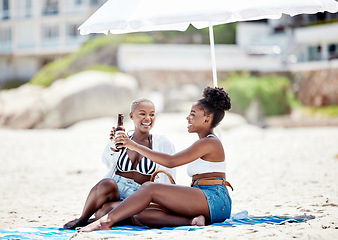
(94, 2)
(50, 8)
(5, 40)
(72, 30)
(25, 8)
(50, 33)
(5, 13)
(5, 35)
(28, 8)
(50, 36)
(314, 53)
(333, 51)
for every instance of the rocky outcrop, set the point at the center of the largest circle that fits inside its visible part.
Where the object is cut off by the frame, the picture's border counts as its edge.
(319, 87)
(21, 107)
(86, 95)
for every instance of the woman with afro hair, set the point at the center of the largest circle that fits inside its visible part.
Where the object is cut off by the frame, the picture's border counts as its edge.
(207, 200)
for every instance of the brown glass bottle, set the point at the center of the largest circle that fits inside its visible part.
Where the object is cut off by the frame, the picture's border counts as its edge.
(119, 128)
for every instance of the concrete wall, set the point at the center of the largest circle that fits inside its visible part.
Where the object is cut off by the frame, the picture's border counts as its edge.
(187, 57)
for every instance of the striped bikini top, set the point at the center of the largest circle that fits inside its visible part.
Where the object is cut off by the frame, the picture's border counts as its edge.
(145, 165)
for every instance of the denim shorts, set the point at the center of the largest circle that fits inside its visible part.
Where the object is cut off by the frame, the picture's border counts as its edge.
(219, 201)
(126, 186)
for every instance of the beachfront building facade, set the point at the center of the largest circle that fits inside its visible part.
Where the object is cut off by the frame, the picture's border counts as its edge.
(306, 41)
(35, 32)
(299, 39)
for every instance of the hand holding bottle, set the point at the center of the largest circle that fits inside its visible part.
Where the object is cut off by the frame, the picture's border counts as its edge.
(125, 141)
(116, 131)
(112, 134)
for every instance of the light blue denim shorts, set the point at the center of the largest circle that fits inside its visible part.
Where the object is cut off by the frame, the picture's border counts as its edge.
(126, 186)
(219, 201)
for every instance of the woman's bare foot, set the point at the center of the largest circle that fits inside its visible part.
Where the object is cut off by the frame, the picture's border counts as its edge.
(77, 222)
(97, 225)
(198, 221)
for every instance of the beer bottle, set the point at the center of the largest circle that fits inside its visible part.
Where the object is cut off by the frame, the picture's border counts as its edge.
(120, 128)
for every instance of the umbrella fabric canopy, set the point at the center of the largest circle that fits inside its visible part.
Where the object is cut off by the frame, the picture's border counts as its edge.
(126, 16)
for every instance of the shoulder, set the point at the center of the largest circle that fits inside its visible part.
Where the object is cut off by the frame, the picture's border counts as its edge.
(208, 142)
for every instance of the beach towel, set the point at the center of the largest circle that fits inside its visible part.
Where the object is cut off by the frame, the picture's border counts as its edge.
(237, 219)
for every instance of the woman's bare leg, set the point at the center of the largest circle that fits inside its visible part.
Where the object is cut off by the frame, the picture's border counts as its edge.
(154, 217)
(104, 191)
(184, 201)
(106, 208)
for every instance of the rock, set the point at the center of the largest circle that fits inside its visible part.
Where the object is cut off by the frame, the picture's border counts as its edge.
(21, 108)
(319, 87)
(86, 95)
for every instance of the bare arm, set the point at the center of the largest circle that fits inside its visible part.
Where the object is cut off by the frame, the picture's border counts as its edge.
(200, 148)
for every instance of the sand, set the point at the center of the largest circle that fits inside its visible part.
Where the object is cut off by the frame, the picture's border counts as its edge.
(47, 174)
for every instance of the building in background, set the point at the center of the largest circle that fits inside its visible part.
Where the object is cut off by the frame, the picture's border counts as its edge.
(35, 32)
(298, 39)
(289, 43)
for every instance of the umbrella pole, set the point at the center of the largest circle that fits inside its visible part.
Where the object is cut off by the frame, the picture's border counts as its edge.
(214, 72)
(212, 50)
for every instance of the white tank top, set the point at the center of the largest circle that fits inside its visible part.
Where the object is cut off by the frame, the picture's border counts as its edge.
(200, 166)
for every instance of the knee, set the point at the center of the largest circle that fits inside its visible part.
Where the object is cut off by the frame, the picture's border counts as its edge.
(148, 186)
(106, 185)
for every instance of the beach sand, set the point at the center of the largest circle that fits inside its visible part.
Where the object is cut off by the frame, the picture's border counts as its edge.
(47, 174)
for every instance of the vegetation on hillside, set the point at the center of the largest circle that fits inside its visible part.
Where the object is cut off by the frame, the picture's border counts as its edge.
(97, 53)
(321, 112)
(12, 84)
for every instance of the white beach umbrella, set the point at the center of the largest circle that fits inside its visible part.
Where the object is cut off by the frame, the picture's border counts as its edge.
(128, 16)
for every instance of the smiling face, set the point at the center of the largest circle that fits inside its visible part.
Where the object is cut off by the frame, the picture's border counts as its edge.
(143, 116)
(196, 118)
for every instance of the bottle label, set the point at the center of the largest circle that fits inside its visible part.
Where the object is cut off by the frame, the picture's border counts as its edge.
(118, 144)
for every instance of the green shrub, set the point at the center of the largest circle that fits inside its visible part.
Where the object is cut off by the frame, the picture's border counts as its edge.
(100, 50)
(51, 72)
(272, 92)
(103, 68)
(13, 84)
(324, 112)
